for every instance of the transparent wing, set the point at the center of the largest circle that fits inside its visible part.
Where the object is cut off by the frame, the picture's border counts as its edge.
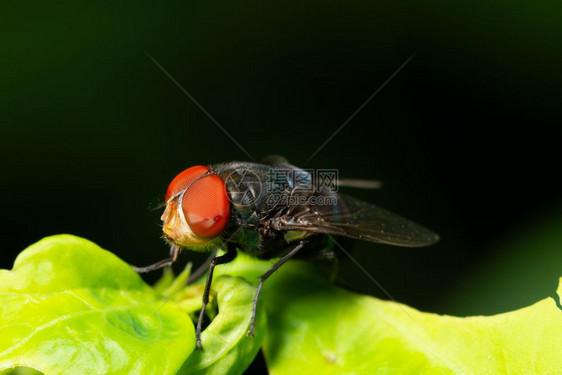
(363, 221)
(359, 184)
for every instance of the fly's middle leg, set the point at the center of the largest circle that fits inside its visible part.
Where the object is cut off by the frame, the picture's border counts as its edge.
(264, 277)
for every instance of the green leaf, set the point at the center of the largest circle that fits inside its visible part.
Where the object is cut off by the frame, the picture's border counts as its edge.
(226, 348)
(20, 371)
(314, 327)
(69, 306)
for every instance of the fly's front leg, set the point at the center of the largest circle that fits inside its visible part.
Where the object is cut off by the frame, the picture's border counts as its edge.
(174, 250)
(264, 277)
(226, 258)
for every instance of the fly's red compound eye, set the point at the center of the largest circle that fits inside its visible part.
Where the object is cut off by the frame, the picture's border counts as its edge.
(182, 180)
(206, 207)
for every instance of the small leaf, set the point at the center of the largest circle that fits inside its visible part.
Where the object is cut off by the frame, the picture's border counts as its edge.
(226, 348)
(314, 327)
(69, 306)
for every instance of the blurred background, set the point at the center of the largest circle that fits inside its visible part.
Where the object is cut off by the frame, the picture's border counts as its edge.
(466, 137)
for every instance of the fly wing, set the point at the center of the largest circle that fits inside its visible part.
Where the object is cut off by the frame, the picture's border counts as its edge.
(360, 184)
(363, 221)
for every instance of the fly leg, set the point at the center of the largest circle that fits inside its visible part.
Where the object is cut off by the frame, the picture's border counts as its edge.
(174, 250)
(201, 269)
(226, 258)
(264, 277)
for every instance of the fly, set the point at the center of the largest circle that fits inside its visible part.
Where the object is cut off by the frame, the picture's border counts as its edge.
(271, 210)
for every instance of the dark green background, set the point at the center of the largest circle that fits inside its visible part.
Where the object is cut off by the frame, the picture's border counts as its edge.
(466, 138)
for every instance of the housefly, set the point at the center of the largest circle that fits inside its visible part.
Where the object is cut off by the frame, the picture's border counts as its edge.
(271, 210)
